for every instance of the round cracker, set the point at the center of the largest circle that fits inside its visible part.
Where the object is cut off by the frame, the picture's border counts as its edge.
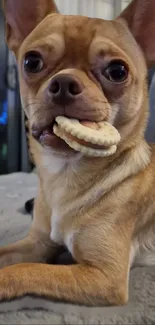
(81, 148)
(106, 135)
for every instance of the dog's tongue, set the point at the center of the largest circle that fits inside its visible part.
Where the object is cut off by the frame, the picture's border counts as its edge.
(91, 125)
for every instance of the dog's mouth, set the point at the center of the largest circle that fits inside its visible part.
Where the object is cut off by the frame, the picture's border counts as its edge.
(64, 134)
(48, 137)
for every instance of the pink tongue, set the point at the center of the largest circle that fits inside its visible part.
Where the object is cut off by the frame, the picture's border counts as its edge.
(91, 125)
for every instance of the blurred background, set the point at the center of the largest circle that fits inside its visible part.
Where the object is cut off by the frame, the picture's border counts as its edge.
(13, 142)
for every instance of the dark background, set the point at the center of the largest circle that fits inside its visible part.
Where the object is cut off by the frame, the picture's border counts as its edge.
(13, 143)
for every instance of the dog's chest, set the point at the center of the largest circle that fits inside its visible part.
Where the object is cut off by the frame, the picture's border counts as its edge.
(63, 202)
(57, 234)
(61, 227)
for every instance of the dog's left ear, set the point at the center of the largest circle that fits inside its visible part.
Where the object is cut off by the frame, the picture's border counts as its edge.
(22, 16)
(140, 17)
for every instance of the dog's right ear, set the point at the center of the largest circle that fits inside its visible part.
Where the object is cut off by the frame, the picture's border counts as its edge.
(140, 19)
(22, 16)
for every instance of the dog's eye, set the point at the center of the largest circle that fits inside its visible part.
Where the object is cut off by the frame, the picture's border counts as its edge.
(33, 62)
(116, 71)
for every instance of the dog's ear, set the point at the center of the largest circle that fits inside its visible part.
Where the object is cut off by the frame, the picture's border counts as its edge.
(22, 16)
(140, 17)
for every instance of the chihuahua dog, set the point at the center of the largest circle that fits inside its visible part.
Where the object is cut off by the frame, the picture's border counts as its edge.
(101, 209)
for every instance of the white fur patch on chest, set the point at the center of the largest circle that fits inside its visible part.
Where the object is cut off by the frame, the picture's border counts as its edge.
(69, 241)
(61, 233)
(57, 216)
(59, 236)
(60, 225)
(56, 234)
(53, 163)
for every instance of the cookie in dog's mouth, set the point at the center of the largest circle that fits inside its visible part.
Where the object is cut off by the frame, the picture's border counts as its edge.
(98, 139)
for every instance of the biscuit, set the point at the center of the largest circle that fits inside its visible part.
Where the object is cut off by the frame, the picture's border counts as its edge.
(92, 139)
(106, 135)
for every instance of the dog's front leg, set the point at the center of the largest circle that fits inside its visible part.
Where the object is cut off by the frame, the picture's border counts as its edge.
(100, 278)
(32, 249)
(37, 246)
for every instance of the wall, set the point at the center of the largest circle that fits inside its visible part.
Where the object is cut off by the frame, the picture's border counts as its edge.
(106, 9)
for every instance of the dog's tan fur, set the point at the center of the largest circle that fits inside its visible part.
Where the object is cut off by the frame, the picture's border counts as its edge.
(102, 209)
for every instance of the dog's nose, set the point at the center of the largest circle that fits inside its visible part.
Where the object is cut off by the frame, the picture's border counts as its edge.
(65, 88)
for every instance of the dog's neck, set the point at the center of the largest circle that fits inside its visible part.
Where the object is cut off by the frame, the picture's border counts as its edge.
(84, 174)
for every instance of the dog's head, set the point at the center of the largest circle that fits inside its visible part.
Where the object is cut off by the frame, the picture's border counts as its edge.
(83, 68)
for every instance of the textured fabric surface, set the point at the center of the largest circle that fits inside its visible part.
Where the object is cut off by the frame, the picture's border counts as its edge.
(15, 189)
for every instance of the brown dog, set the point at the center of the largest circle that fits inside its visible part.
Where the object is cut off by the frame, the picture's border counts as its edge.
(101, 209)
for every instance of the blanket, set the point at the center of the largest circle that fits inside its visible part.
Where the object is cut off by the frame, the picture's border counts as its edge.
(15, 190)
